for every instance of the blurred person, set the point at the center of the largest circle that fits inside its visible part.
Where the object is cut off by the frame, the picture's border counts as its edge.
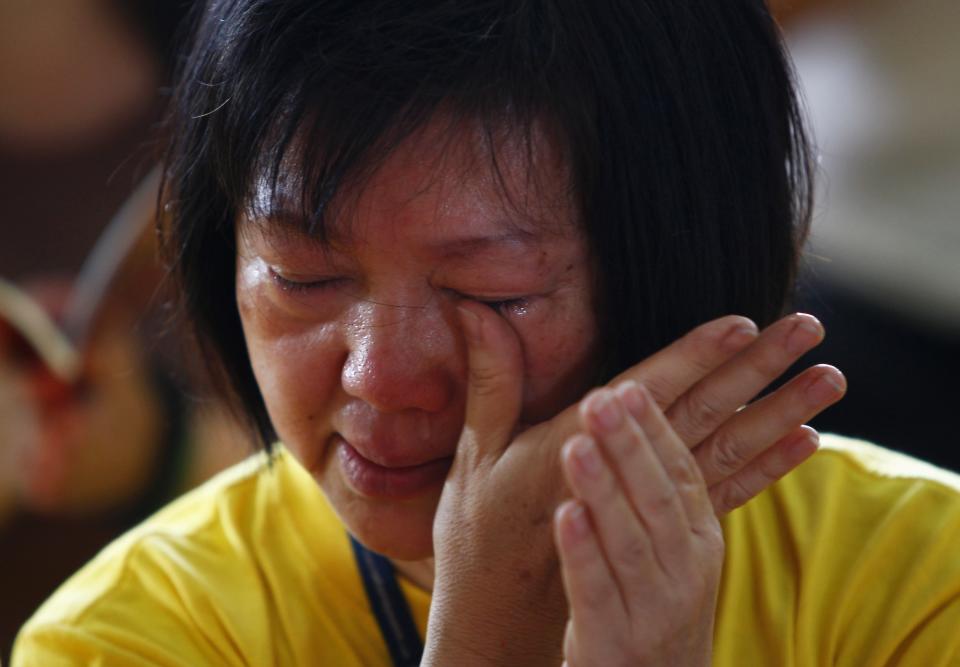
(80, 92)
(71, 487)
(84, 459)
(438, 284)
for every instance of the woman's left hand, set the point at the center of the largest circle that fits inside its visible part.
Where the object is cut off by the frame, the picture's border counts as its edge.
(498, 597)
(640, 546)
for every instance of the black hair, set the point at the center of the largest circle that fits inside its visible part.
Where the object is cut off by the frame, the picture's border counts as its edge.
(686, 150)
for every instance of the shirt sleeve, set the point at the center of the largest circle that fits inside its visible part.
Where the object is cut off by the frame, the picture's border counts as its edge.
(147, 608)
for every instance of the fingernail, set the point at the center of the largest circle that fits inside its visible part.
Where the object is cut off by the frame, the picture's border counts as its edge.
(739, 337)
(472, 325)
(607, 411)
(804, 335)
(577, 517)
(588, 459)
(632, 397)
(825, 388)
(802, 448)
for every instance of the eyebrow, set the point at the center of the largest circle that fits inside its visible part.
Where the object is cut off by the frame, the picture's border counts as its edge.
(471, 245)
(514, 239)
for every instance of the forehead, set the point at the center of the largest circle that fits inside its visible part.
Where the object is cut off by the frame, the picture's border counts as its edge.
(460, 180)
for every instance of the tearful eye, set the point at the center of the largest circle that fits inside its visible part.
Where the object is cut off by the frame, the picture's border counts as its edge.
(516, 306)
(288, 285)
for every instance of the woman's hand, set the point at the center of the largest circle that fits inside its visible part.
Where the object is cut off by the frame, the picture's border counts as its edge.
(704, 383)
(640, 548)
(498, 597)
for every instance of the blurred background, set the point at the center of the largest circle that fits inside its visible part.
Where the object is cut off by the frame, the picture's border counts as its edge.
(84, 85)
(82, 460)
(882, 85)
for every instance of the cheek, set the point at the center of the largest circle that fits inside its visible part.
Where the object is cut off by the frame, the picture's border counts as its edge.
(559, 360)
(297, 368)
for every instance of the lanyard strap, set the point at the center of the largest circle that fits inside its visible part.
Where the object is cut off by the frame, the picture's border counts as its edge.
(389, 606)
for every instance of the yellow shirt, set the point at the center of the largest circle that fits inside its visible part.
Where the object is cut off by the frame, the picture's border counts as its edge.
(854, 559)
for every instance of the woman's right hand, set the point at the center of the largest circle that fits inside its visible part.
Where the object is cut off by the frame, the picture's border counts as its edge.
(498, 598)
(641, 549)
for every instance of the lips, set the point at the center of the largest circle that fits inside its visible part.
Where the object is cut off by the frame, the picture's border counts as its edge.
(396, 482)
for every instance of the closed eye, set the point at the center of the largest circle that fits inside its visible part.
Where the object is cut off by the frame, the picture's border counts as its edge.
(512, 306)
(288, 285)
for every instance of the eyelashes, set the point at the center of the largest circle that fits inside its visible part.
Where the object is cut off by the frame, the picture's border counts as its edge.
(516, 306)
(296, 286)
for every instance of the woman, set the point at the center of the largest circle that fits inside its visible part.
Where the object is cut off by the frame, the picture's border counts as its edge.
(413, 236)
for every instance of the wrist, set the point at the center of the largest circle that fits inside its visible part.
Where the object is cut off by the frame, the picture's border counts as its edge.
(494, 626)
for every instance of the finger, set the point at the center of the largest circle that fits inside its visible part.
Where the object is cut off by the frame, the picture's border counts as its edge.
(777, 461)
(592, 591)
(670, 372)
(674, 369)
(637, 467)
(710, 402)
(622, 537)
(494, 377)
(749, 432)
(675, 459)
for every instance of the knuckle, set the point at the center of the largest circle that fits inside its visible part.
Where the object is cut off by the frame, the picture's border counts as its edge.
(661, 389)
(684, 472)
(729, 496)
(632, 553)
(702, 411)
(658, 503)
(485, 381)
(728, 454)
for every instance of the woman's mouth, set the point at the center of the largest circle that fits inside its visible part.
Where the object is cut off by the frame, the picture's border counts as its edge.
(394, 482)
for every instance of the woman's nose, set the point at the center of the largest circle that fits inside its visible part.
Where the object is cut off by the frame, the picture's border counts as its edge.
(402, 358)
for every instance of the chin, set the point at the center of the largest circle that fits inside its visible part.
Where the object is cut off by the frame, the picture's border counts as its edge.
(409, 540)
(401, 530)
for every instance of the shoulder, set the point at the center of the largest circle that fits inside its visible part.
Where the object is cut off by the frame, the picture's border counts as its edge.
(252, 568)
(156, 588)
(855, 492)
(855, 499)
(857, 550)
(851, 482)
(865, 459)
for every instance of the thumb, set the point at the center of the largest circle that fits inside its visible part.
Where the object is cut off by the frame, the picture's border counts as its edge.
(494, 379)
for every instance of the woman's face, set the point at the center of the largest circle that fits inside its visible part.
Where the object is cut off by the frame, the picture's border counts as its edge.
(356, 343)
